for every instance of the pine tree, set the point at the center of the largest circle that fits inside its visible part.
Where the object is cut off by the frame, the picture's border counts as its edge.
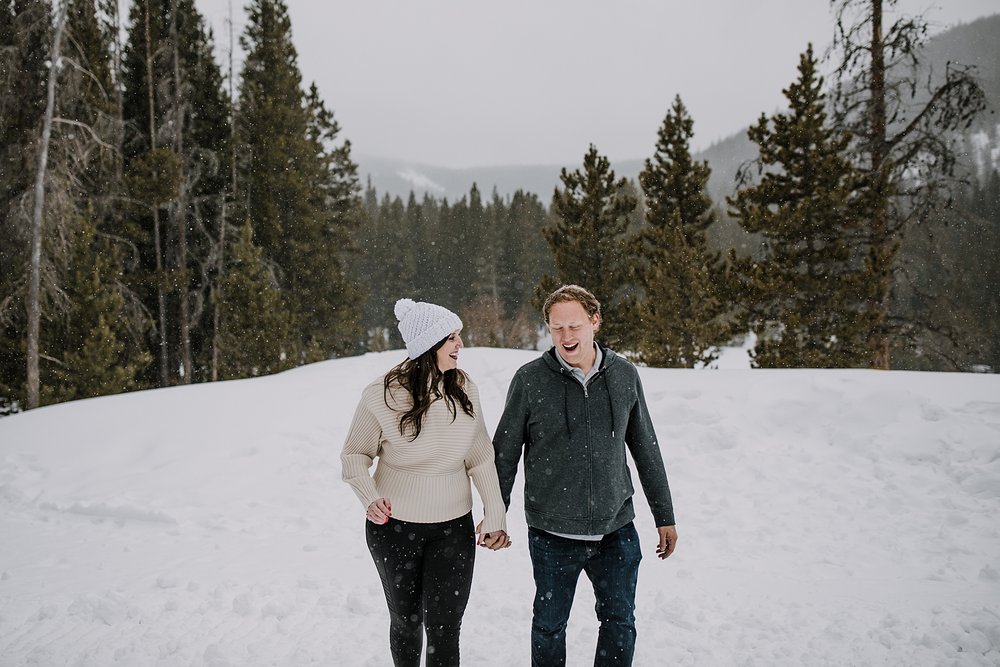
(272, 126)
(256, 324)
(436, 285)
(457, 251)
(301, 191)
(428, 256)
(681, 309)
(811, 286)
(589, 239)
(390, 266)
(151, 171)
(334, 324)
(483, 248)
(416, 251)
(364, 265)
(525, 258)
(95, 349)
(484, 314)
(208, 158)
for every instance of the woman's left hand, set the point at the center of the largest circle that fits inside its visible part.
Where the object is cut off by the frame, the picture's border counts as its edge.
(379, 511)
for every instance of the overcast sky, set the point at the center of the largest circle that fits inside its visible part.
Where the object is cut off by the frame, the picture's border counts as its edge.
(461, 83)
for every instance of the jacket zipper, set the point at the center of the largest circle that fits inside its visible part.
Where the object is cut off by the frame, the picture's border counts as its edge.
(590, 451)
(592, 378)
(590, 448)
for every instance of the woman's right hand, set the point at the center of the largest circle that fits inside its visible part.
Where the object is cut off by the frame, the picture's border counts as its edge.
(380, 511)
(496, 540)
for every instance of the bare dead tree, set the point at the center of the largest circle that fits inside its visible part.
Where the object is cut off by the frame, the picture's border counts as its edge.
(903, 136)
(34, 306)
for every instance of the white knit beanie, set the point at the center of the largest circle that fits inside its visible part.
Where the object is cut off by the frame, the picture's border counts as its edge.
(424, 324)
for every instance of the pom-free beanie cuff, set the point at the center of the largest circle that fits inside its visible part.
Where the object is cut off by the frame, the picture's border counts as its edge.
(424, 324)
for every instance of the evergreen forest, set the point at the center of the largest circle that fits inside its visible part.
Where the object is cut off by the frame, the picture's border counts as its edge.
(166, 220)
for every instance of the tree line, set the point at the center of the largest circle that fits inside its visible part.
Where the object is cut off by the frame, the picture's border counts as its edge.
(166, 222)
(186, 226)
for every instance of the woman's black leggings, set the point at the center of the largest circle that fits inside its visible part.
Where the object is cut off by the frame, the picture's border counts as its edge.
(426, 571)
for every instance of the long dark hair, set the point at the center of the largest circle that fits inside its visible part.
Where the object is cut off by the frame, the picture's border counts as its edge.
(422, 380)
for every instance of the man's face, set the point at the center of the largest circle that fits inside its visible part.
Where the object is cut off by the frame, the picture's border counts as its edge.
(573, 332)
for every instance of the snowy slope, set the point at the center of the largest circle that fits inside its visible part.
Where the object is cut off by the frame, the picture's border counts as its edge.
(825, 518)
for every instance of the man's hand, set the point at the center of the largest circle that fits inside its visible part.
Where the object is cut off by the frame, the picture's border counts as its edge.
(380, 511)
(494, 541)
(668, 541)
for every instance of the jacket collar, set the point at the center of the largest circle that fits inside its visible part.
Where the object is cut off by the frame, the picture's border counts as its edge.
(553, 363)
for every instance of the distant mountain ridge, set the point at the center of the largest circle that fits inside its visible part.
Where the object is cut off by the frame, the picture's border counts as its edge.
(399, 178)
(976, 43)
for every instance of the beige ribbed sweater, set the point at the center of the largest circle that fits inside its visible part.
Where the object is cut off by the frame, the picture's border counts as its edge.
(427, 479)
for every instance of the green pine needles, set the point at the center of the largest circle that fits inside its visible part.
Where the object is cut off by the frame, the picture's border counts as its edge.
(806, 293)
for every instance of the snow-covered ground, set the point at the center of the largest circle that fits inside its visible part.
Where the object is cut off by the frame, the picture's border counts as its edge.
(825, 518)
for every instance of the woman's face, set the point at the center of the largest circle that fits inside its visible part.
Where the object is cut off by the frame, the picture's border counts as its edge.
(447, 354)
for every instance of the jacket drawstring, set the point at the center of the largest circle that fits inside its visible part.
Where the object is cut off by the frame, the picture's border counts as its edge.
(611, 407)
(566, 403)
(607, 394)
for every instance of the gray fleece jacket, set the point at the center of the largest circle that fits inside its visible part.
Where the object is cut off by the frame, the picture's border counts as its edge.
(576, 478)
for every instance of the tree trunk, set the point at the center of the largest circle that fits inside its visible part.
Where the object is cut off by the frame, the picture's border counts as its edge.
(34, 281)
(119, 98)
(160, 297)
(179, 208)
(881, 239)
(217, 293)
(221, 268)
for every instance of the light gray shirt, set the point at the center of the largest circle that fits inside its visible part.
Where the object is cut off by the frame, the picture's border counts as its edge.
(577, 373)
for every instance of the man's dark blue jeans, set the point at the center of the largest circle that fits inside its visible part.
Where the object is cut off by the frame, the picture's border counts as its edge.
(612, 565)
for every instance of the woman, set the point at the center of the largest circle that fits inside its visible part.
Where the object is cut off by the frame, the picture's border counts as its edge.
(424, 423)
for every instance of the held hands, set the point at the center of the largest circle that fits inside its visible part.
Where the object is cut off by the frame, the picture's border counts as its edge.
(494, 541)
(380, 511)
(668, 541)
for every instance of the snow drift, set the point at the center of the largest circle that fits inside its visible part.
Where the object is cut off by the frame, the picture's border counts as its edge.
(825, 518)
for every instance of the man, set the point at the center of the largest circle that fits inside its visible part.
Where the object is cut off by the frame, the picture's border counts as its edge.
(573, 412)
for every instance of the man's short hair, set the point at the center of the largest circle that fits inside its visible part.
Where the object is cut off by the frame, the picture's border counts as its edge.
(572, 293)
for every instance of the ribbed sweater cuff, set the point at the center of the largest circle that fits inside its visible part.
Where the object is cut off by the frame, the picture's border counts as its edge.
(493, 522)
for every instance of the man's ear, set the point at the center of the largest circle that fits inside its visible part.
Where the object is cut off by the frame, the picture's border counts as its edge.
(596, 321)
